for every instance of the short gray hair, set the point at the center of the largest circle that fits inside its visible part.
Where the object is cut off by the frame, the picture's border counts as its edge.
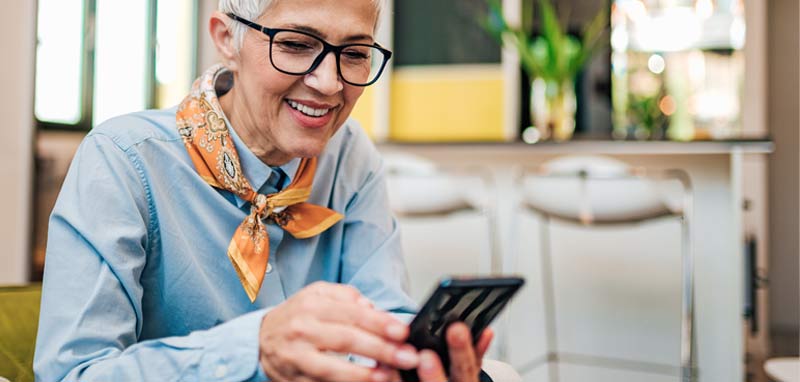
(253, 9)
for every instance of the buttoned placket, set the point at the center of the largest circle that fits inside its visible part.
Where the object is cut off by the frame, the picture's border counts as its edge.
(272, 284)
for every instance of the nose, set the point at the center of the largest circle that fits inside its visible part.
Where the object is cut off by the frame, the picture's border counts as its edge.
(325, 78)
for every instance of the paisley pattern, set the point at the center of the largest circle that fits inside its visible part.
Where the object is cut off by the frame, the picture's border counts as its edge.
(201, 123)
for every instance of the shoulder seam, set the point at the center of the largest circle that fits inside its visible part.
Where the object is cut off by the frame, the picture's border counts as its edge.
(133, 157)
(126, 147)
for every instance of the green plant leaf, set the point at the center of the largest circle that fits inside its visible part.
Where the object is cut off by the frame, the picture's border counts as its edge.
(531, 61)
(572, 51)
(553, 35)
(553, 54)
(592, 33)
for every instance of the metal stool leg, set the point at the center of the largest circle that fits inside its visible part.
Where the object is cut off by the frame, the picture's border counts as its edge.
(548, 294)
(496, 268)
(687, 317)
(489, 210)
(687, 261)
(687, 371)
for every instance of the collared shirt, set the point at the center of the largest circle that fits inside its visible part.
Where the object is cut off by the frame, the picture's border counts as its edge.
(137, 283)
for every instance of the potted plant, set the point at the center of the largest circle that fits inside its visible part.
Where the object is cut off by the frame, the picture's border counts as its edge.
(552, 59)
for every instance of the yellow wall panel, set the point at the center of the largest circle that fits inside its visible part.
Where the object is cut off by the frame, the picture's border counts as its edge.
(447, 103)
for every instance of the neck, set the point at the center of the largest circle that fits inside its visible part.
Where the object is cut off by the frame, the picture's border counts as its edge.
(243, 122)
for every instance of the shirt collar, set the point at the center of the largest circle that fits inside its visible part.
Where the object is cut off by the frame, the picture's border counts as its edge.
(290, 168)
(262, 177)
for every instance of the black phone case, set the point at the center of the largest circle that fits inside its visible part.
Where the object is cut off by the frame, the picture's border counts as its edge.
(474, 301)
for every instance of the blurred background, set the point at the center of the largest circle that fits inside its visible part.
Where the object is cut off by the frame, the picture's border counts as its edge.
(711, 87)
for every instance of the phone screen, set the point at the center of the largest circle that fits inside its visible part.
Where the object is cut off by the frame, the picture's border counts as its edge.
(474, 301)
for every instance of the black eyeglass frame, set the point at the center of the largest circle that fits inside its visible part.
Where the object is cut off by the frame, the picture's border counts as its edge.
(326, 48)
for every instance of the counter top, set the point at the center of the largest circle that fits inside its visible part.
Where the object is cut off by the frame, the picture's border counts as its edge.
(745, 146)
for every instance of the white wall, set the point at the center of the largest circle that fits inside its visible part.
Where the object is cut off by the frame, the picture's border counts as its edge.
(17, 28)
(206, 53)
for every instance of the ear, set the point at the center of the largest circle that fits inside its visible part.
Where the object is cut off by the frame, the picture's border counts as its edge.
(223, 39)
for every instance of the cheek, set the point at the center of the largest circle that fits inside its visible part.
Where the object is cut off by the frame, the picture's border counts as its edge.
(266, 84)
(351, 96)
(272, 87)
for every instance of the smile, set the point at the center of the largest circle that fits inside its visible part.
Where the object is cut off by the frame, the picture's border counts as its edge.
(309, 111)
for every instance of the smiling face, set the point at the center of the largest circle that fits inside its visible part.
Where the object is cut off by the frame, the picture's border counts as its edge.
(281, 116)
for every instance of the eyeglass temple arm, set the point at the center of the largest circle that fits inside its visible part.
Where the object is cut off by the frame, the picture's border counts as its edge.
(246, 22)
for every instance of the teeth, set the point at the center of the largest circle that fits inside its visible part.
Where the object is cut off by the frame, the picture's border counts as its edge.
(308, 110)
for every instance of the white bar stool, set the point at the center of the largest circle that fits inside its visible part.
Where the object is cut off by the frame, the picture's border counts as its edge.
(785, 369)
(601, 191)
(421, 192)
(420, 189)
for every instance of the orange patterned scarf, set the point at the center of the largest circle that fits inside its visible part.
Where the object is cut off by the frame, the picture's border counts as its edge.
(205, 134)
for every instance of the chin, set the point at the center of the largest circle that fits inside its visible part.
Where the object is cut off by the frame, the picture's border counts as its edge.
(310, 145)
(309, 150)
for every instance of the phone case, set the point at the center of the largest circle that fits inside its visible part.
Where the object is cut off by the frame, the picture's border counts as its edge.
(474, 301)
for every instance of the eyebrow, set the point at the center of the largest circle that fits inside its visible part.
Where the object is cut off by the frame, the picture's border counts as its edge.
(318, 33)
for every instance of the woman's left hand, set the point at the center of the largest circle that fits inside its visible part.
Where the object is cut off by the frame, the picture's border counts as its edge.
(465, 360)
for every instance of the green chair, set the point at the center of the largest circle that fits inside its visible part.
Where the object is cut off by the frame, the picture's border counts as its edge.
(19, 319)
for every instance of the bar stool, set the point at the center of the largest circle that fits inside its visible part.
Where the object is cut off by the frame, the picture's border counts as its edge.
(424, 193)
(601, 191)
(785, 369)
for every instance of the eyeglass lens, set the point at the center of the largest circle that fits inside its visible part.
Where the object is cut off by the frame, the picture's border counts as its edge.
(295, 53)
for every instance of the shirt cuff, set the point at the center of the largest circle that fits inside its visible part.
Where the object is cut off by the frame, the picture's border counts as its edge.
(231, 351)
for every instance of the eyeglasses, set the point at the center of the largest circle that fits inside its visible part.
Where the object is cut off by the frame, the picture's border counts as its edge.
(298, 53)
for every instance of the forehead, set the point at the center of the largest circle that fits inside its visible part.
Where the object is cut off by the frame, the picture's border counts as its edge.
(333, 19)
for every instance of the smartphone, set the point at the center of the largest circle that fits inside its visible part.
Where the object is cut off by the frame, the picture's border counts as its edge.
(474, 301)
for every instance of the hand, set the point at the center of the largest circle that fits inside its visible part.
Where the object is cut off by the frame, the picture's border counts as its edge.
(297, 338)
(465, 360)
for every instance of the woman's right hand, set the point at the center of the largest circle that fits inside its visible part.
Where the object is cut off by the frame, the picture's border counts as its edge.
(299, 338)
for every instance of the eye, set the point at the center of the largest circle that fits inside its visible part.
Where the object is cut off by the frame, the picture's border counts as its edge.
(356, 53)
(294, 42)
(293, 45)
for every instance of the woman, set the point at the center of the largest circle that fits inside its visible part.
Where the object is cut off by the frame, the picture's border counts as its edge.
(260, 163)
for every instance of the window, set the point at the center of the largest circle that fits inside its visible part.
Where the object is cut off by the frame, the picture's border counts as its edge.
(59, 61)
(100, 58)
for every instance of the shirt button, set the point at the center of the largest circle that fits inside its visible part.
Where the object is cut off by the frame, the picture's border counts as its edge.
(269, 268)
(220, 371)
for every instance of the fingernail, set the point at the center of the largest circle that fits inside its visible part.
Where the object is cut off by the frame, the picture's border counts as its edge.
(407, 359)
(396, 331)
(426, 361)
(380, 376)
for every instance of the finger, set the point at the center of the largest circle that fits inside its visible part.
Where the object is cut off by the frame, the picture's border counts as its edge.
(430, 367)
(374, 321)
(463, 364)
(484, 341)
(394, 375)
(349, 339)
(338, 292)
(324, 367)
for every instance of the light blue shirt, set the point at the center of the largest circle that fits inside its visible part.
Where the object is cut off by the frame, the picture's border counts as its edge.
(137, 283)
